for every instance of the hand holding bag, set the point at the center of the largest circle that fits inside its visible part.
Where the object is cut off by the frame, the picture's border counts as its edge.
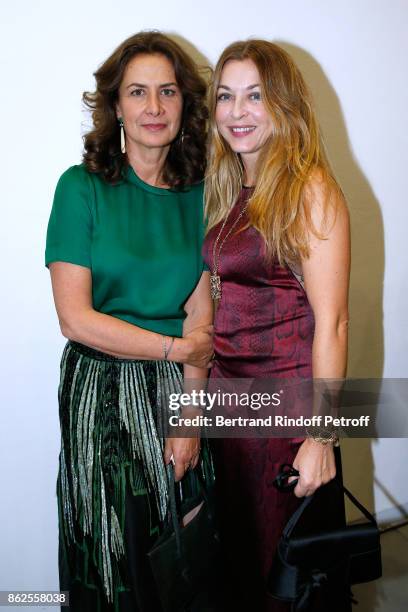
(183, 558)
(329, 560)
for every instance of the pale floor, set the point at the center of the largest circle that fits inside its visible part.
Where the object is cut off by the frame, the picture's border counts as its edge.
(390, 593)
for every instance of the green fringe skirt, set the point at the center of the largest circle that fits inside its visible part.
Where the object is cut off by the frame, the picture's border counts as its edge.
(112, 485)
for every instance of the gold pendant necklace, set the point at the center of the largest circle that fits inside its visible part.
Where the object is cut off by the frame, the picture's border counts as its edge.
(215, 279)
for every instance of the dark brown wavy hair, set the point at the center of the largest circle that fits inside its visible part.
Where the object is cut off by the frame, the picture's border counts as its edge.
(185, 162)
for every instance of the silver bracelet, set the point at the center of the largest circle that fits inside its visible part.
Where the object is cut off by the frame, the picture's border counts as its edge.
(167, 349)
(170, 347)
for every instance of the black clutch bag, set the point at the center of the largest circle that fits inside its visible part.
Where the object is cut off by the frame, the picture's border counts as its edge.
(312, 563)
(183, 558)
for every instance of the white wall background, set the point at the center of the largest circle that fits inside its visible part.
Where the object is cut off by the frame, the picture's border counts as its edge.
(354, 55)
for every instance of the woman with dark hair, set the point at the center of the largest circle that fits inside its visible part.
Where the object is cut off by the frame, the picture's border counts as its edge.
(279, 254)
(124, 251)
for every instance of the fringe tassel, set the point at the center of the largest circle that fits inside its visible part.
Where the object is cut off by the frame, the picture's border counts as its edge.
(108, 422)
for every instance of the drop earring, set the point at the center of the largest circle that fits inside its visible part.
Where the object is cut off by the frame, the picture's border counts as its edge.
(122, 136)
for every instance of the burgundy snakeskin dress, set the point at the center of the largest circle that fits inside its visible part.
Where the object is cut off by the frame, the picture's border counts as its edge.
(264, 328)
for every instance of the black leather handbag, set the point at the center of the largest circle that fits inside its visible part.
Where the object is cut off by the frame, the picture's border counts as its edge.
(184, 557)
(312, 564)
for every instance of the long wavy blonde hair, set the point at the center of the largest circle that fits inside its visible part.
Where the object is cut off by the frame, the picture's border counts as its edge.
(280, 207)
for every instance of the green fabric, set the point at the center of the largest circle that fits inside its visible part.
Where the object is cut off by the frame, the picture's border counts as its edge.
(142, 244)
(112, 419)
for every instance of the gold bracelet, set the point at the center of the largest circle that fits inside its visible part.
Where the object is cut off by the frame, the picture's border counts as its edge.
(335, 440)
(324, 436)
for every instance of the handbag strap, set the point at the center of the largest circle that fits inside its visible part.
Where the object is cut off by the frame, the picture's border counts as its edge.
(173, 508)
(290, 525)
(358, 504)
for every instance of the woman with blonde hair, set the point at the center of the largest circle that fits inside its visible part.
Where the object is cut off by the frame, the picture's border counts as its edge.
(278, 251)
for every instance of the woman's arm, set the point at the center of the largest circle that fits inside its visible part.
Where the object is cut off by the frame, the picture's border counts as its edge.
(72, 289)
(199, 309)
(326, 276)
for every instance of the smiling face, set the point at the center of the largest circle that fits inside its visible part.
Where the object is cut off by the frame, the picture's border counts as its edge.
(150, 102)
(241, 116)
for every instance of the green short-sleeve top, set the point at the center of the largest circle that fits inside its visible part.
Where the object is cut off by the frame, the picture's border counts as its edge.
(142, 244)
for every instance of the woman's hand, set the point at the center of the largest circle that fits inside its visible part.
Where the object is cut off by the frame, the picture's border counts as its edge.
(184, 452)
(196, 347)
(316, 466)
